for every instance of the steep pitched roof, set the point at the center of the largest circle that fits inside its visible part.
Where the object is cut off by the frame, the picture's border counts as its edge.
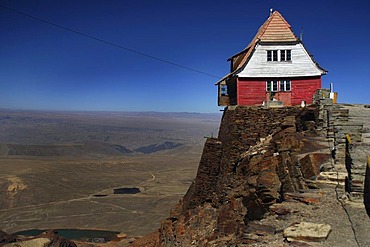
(275, 29)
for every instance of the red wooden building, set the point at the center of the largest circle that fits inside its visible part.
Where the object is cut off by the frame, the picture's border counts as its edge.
(275, 66)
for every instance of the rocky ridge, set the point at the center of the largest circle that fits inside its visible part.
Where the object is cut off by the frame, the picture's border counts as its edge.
(262, 161)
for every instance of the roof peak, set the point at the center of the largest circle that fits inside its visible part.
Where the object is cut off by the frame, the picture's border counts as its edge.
(276, 29)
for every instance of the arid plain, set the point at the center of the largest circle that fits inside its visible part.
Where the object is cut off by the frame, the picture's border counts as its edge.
(61, 169)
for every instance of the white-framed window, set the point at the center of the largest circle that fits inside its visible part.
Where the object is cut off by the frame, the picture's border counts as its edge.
(269, 55)
(285, 55)
(275, 86)
(272, 86)
(285, 86)
(273, 55)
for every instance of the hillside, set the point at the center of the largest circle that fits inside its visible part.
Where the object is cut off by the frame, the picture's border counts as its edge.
(70, 170)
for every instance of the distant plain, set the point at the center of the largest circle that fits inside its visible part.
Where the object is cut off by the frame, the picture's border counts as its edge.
(60, 169)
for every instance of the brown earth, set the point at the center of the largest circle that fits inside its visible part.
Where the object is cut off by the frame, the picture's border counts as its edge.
(39, 190)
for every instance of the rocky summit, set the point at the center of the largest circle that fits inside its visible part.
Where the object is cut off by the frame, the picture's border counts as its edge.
(259, 184)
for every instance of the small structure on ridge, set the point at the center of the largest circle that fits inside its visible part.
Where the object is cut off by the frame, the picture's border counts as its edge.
(275, 66)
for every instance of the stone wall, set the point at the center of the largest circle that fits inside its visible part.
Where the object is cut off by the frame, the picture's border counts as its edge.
(347, 128)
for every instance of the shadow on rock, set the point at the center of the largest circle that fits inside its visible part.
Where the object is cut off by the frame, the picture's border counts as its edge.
(367, 188)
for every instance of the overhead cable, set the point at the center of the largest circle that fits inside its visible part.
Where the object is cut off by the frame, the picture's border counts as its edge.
(108, 42)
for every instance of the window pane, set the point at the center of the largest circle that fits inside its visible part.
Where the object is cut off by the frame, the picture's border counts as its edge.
(274, 86)
(282, 85)
(288, 55)
(282, 55)
(275, 55)
(269, 58)
(223, 90)
(287, 86)
(268, 86)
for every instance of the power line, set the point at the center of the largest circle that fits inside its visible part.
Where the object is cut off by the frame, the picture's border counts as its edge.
(108, 42)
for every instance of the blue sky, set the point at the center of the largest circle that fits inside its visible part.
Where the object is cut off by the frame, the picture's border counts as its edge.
(44, 67)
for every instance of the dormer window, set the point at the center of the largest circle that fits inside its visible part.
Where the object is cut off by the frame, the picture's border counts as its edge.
(273, 55)
(285, 55)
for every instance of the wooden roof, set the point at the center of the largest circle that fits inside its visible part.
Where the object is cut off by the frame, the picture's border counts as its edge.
(275, 29)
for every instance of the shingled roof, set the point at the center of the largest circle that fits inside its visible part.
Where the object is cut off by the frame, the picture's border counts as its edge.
(275, 29)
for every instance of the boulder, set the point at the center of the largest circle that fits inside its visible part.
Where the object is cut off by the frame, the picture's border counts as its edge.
(36, 242)
(307, 231)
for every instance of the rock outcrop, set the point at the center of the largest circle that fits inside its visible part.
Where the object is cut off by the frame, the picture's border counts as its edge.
(49, 238)
(261, 157)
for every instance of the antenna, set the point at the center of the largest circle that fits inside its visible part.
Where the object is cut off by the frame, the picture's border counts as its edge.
(301, 34)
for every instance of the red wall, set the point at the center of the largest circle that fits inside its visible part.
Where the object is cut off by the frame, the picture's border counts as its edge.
(253, 91)
(304, 89)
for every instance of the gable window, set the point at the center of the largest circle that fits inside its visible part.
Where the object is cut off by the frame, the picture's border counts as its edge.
(285, 55)
(272, 55)
(289, 55)
(269, 55)
(282, 55)
(285, 86)
(272, 86)
(223, 90)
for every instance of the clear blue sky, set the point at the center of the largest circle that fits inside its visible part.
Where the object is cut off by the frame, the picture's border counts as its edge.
(47, 68)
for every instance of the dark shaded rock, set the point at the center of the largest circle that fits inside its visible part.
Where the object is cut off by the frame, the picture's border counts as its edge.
(203, 188)
(280, 210)
(6, 238)
(311, 164)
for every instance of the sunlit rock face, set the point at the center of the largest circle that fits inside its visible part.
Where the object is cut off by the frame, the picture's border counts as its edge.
(253, 164)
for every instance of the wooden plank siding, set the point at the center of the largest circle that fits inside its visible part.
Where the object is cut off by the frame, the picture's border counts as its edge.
(251, 92)
(300, 65)
(304, 89)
